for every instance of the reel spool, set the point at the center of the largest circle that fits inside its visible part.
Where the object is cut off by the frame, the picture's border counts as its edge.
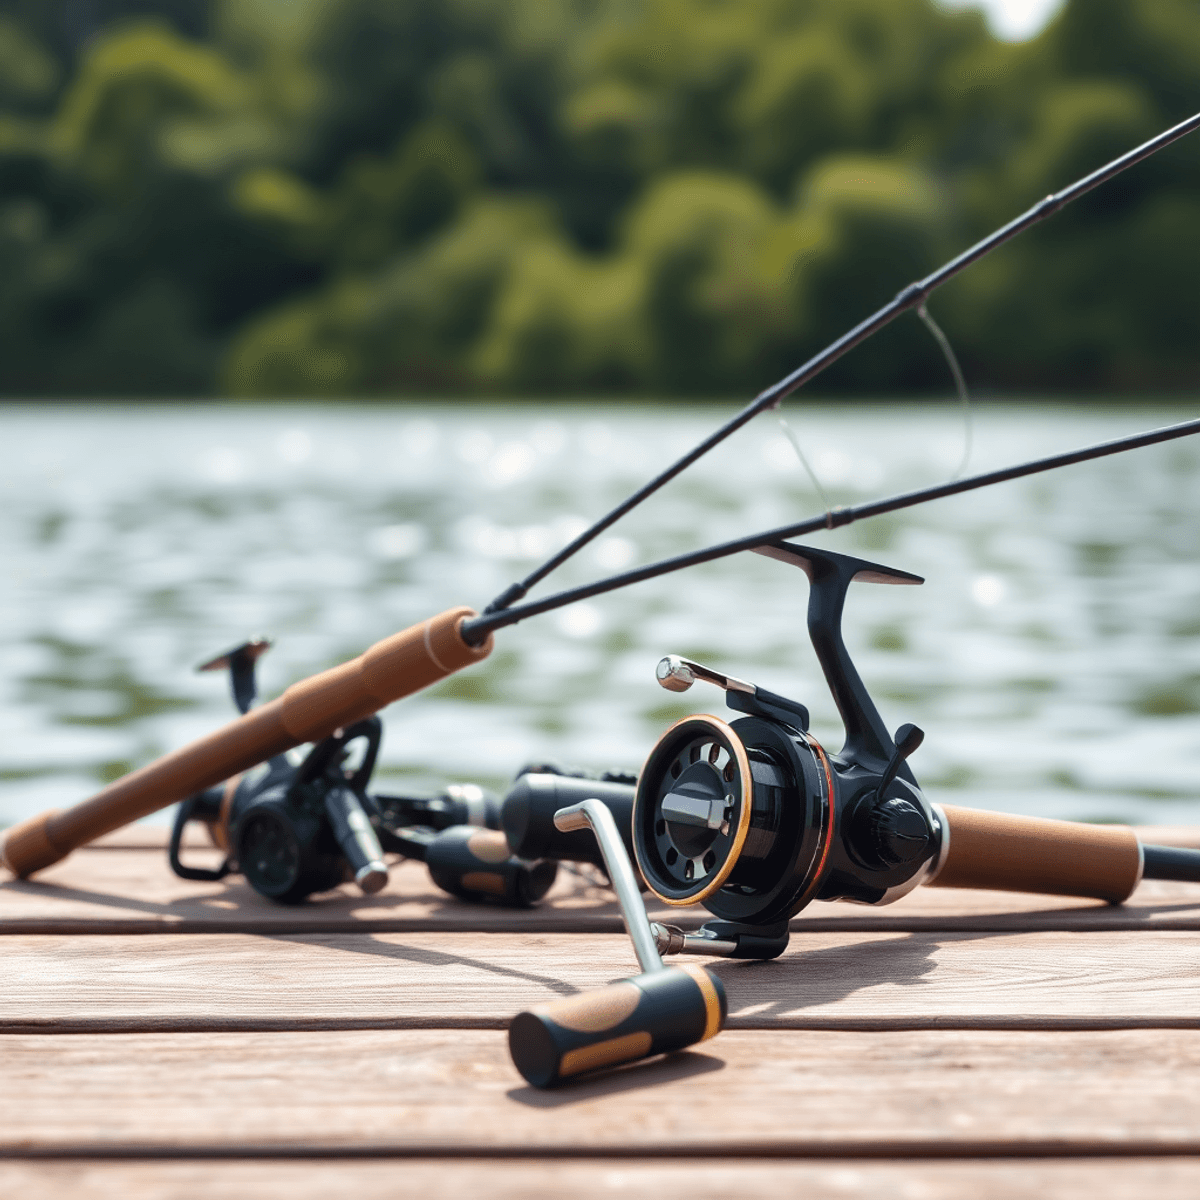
(734, 817)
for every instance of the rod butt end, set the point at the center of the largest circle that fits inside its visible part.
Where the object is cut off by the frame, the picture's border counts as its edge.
(28, 846)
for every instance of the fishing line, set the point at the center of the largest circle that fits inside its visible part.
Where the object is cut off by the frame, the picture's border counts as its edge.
(964, 397)
(912, 296)
(964, 401)
(790, 434)
(475, 630)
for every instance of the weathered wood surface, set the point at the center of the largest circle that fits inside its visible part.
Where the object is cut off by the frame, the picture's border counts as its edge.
(747, 1094)
(143, 836)
(127, 886)
(847, 979)
(1162, 1179)
(957, 1043)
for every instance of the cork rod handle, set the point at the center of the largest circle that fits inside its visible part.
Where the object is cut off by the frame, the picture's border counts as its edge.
(398, 666)
(1006, 853)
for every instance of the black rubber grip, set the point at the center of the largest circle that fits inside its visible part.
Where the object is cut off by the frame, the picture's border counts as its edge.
(650, 1014)
(527, 817)
(474, 864)
(1170, 862)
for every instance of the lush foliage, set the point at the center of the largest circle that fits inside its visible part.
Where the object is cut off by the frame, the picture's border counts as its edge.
(334, 197)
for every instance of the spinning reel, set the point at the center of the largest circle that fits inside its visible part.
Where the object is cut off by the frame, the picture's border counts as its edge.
(755, 819)
(294, 827)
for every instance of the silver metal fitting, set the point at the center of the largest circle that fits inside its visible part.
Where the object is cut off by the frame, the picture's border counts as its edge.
(670, 939)
(677, 674)
(372, 878)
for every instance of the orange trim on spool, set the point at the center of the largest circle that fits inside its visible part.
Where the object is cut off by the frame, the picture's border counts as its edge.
(739, 838)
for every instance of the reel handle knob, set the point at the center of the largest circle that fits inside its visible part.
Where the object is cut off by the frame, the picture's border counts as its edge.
(527, 816)
(475, 864)
(654, 1013)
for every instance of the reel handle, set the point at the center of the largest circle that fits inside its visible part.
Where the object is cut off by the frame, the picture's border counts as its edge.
(1006, 853)
(475, 864)
(654, 1013)
(356, 837)
(663, 1009)
(309, 710)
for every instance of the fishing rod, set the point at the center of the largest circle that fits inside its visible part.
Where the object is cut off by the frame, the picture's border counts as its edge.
(295, 826)
(482, 626)
(912, 296)
(417, 657)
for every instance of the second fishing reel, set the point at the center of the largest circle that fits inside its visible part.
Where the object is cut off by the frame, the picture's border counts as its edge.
(754, 818)
(294, 826)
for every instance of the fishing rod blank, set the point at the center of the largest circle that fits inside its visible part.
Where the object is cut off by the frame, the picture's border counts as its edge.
(482, 626)
(914, 295)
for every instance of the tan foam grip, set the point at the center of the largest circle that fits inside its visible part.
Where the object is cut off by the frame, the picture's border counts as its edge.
(398, 666)
(1006, 853)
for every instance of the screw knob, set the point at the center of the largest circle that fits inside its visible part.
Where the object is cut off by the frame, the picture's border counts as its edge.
(899, 832)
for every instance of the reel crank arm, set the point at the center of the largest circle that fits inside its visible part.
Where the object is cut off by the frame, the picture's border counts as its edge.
(661, 1010)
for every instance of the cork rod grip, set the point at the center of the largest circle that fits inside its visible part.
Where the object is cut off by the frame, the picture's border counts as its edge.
(398, 666)
(1006, 853)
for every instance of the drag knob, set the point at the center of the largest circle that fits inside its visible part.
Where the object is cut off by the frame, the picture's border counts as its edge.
(898, 832)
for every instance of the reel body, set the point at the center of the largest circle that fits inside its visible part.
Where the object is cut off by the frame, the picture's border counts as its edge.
(295, 828)
(754, 819)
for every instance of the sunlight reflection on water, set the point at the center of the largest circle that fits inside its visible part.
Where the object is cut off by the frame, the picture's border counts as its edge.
(1053, 657)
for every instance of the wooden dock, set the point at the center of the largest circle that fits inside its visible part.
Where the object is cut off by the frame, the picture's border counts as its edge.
(160, 1038)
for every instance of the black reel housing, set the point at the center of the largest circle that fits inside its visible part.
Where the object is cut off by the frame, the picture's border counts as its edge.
(294, 829)
(754, 819)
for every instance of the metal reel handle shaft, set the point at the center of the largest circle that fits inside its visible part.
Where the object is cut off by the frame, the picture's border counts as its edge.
(356, 837)
(594, 814)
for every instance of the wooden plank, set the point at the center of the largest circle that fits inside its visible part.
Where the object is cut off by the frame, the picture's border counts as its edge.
(782, 1093)
(141, 836)
(848, 979)
(130, 891)
(134, 891)
(1164, 1179)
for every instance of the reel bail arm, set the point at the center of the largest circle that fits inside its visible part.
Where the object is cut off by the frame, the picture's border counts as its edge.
(678, 674)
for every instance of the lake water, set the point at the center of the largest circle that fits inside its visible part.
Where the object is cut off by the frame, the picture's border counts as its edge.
(1052, 657)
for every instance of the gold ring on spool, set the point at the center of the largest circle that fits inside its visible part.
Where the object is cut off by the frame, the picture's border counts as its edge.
(745, 802)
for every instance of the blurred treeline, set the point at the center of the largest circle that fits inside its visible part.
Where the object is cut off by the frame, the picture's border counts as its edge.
(340, 197)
